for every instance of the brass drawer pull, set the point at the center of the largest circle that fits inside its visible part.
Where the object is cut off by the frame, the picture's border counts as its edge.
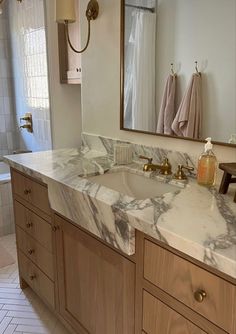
(32, 277)
(200, 295)
(27, 191)
(29, 225)
(55, 228)
(30, 251)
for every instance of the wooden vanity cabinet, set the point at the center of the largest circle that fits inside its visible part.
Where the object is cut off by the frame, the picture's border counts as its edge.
(34, 236)
(96, 283)
(179, 296)
(187, 282)
(94, 289)
(159, 318)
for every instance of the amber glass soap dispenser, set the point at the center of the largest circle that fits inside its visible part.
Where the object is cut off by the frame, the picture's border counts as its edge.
(206, 173)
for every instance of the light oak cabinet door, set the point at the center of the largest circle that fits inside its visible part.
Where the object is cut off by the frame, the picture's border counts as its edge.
(36, 279)
(31, 191)
(96, 284)
(186, 281)
(160, 319)
(34, 225)
(39, 255)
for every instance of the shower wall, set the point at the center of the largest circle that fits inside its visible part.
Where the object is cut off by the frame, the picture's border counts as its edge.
(29, 63)
(8, 129)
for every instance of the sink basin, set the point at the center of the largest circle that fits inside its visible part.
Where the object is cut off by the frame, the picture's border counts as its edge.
(136, 186)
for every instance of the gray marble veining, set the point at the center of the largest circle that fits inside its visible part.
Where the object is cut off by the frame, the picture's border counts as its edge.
(193, 219)
(106, 145)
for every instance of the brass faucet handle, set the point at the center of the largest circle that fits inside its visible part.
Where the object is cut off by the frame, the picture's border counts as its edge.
(180, 175)
(146, 158)
(25, 118)
(190, 169)
(166, 167)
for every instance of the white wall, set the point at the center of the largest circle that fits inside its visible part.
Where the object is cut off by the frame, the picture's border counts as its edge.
(65, 99)
(101, 86)
(189, 30)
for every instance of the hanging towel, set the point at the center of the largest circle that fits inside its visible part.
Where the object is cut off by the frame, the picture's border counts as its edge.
(187, 122)
(167, 110)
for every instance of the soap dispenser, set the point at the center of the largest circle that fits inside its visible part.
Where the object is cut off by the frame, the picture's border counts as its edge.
(207, 162)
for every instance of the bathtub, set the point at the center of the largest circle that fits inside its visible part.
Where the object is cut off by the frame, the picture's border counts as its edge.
(6, 206)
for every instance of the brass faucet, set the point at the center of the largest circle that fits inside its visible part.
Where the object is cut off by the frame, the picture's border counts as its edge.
(26, 118)
(180, 175)
(26, 126)
(165, 167)
(29, 124)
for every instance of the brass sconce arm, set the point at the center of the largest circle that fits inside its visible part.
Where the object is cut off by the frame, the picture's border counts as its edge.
(91, 14)
(69, 41)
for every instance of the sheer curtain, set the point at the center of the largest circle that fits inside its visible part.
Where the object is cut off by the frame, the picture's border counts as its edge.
(139, 97)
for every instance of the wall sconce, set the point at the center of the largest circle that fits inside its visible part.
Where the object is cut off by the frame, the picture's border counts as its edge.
(65, 13)
(1, 2)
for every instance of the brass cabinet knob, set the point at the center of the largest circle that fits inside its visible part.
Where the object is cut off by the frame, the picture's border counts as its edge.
(30, 251)
(55, 228)
(29, 224)
(27, 191)
(32, 277)
(200, 295)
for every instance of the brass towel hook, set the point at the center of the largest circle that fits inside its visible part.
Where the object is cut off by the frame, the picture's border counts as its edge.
(172, 70)
(196, 68)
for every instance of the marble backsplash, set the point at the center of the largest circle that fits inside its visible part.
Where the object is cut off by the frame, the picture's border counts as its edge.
(106, 147)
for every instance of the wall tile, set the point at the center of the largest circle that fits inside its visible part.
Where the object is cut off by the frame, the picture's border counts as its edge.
(8, 136)
(29, 59)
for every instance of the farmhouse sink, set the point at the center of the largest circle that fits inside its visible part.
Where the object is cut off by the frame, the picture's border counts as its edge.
(133, 185)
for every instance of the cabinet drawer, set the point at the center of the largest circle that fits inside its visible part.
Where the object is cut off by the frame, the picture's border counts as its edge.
(159, 318)
(34, 225)
(188, 282)
(35, 252)
(31, 191)
(36, 279)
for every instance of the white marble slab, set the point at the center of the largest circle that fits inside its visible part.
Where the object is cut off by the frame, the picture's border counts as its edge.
(193, 219)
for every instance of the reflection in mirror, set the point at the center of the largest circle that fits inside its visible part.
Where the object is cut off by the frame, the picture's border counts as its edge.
(164, 91)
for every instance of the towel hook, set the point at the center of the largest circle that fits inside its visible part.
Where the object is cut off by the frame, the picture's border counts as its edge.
(172, 70)
(196, 68)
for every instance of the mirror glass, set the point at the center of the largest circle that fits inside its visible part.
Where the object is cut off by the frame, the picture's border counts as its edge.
(194, 97)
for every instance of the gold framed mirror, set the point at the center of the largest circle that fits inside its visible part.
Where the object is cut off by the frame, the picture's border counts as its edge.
(186, 32)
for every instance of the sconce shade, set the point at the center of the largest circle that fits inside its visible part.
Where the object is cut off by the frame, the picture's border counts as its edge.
(65, 11)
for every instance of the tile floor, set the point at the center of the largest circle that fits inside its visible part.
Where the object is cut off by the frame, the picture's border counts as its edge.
(22, 312)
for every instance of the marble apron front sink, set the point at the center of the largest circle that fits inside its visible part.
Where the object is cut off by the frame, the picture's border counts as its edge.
(133, 185)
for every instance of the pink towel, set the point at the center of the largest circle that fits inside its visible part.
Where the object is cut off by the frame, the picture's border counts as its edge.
(167, 111)
(187, 122)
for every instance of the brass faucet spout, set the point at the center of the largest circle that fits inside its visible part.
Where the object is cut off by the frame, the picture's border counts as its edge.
(165, 167)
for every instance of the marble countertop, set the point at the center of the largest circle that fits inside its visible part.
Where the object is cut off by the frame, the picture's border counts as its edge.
(193, 219)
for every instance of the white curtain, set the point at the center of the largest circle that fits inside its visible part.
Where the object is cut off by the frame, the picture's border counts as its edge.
(139, 99)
